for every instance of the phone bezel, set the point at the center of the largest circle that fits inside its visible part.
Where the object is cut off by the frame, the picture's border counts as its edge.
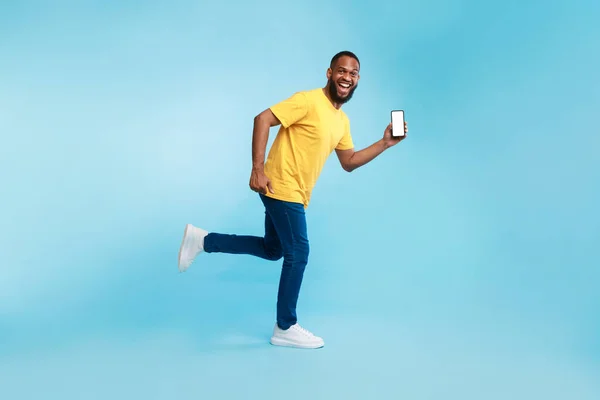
(403, 122)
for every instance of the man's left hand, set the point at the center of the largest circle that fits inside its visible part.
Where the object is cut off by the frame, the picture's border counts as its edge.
(390, 140)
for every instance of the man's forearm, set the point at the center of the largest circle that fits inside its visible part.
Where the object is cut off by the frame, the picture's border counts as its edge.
(260, 137)
(367, 154)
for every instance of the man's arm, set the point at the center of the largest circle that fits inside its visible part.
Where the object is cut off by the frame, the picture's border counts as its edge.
(285, 113)
(350, 159)
(260, 136)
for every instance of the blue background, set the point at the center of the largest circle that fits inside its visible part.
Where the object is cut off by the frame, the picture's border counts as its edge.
(461, 264)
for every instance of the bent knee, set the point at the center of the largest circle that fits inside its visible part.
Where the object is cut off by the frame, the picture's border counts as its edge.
(274, 253)
(298, 253)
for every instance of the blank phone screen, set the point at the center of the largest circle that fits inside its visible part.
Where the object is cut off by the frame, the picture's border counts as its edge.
(398, 123)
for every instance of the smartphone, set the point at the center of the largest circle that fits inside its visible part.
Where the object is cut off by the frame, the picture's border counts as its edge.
(397, 123)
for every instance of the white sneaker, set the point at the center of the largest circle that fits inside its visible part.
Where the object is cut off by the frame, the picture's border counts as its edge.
(191, 245)
(296, 336)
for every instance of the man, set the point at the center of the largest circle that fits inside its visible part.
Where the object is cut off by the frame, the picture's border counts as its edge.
(312, 126)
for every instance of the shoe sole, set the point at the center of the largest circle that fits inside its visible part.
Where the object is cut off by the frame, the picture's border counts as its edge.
(286, 343)
(183, 245)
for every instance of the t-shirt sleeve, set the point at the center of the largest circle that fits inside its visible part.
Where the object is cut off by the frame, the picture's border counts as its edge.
(345, 142)
(291, 110)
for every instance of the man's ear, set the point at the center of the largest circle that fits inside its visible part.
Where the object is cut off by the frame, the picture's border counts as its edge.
(329, 73)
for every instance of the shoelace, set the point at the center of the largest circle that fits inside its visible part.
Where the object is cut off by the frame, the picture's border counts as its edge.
(305, 331)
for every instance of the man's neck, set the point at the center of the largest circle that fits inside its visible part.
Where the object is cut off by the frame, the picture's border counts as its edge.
(326, 93)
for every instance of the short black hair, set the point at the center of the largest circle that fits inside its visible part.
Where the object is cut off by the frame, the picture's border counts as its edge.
(342, 54)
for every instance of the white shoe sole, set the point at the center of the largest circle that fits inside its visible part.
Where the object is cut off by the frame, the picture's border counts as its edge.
(185, 242)
(275, 341)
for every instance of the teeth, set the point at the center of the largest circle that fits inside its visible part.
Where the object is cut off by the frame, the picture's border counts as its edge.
(345, 85)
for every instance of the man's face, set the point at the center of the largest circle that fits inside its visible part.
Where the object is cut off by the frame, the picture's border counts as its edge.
(342, 79)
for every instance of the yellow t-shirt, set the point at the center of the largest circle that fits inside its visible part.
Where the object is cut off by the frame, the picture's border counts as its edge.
(311, 128)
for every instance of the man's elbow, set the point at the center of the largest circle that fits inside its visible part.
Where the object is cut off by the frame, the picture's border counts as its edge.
(259, 119)
(348, 167)
(267, 118)
(346, 160)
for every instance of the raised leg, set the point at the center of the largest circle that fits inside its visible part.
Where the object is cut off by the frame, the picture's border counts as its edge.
(267, 247)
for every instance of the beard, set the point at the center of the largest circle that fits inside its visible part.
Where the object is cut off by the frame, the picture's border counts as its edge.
(334, 95)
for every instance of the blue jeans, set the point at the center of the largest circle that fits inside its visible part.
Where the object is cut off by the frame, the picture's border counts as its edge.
(285, 236)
